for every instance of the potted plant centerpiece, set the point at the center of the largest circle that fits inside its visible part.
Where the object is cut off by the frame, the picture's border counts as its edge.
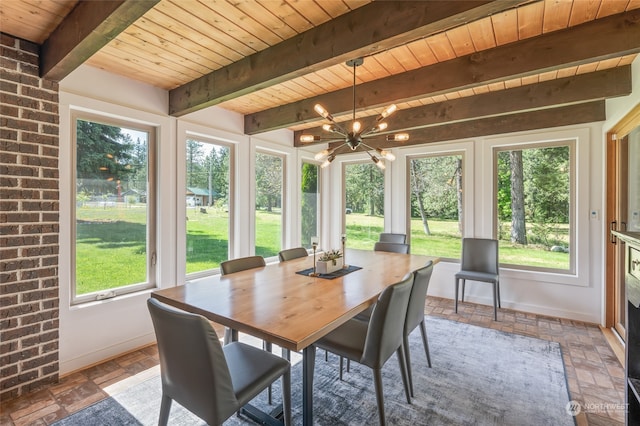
(329, 262)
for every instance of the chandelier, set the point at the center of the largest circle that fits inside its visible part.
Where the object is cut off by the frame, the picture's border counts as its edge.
(354, 138)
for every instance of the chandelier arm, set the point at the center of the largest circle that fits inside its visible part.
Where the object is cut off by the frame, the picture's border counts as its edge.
(338, 147)
(340, 130)
(368, 147)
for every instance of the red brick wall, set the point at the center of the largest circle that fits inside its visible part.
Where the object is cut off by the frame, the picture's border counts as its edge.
(29, 205)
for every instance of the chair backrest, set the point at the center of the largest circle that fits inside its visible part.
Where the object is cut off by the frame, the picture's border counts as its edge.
(241, 264)
(391, 247)
(292, 253)
(384, 334)
(193, 368)
(388, 237)
(480, 255)
(415, 309)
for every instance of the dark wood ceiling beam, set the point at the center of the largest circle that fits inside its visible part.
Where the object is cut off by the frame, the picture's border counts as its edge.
(366, 30)
(89, 27)
(587, 112)
(597, 85)
(605, 38)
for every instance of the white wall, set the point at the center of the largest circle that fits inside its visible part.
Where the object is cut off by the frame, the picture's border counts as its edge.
(576, 295)
(93, 332)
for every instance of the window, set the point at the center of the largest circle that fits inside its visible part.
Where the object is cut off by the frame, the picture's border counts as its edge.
(207, 205)
(533, 206)
(114, 249)
(309, 203)
(436, 205)
(269, 184)
(364, 204)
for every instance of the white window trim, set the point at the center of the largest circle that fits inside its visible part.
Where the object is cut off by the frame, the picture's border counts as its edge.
(464, 148)
(152, 250)
(187, 130)
(447, 153)
(580, 212)
(289, 194)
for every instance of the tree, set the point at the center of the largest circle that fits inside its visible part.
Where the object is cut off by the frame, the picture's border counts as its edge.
(458, 178)
(436, 187)
(104, 155)
(309, 203)
(268, 180)
(518, 225)
(364, 188)
(218, 166)
(417, 188)
(195, 170)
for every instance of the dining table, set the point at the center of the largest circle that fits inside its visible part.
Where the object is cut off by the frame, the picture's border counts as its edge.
(284, 304)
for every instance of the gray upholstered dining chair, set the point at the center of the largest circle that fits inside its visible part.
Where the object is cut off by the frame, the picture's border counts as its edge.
(208, 379)
(480, 263)
(241, 264)
(389, 237)
(292, 253)
(237, 265)
(373, 343)
(415, 315)
(391, 247)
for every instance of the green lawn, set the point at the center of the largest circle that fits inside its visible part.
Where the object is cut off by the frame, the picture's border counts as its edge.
(111, 243)
(110, 247)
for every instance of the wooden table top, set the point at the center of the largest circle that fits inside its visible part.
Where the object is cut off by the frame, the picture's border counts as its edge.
(288, 309)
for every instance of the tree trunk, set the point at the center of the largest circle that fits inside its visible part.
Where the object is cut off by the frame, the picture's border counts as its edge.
(423, 216)
(372, 209)
(518, 228)
(459, 192)
(418, 194)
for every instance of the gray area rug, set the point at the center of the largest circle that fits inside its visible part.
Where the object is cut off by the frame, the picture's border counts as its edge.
(479, 377)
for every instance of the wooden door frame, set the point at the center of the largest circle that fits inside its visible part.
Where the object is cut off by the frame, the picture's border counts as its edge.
(621, 129)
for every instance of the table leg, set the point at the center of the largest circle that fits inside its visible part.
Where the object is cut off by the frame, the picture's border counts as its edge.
(308, 364)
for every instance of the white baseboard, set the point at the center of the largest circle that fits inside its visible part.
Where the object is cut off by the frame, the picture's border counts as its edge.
(83, 361)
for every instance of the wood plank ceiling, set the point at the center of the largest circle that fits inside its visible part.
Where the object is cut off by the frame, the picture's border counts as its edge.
(455, 68)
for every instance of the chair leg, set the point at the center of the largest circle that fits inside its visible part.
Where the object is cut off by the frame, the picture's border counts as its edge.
(407, 361)
(403, 369)
(286, 397)
(498, 287)
(425, 342)
(377, 380)
(495, 302)
(348, 365)
(286, 354)
(165, 407)
(341, 363)
(230, 335)
(464, 282)
(268, 346)
(456, 295)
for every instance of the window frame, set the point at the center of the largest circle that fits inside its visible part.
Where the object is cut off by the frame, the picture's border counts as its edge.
(212, 140)
(343, 195)
(152, 203)
(284, 199)
(430, 154)
(571, 143)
